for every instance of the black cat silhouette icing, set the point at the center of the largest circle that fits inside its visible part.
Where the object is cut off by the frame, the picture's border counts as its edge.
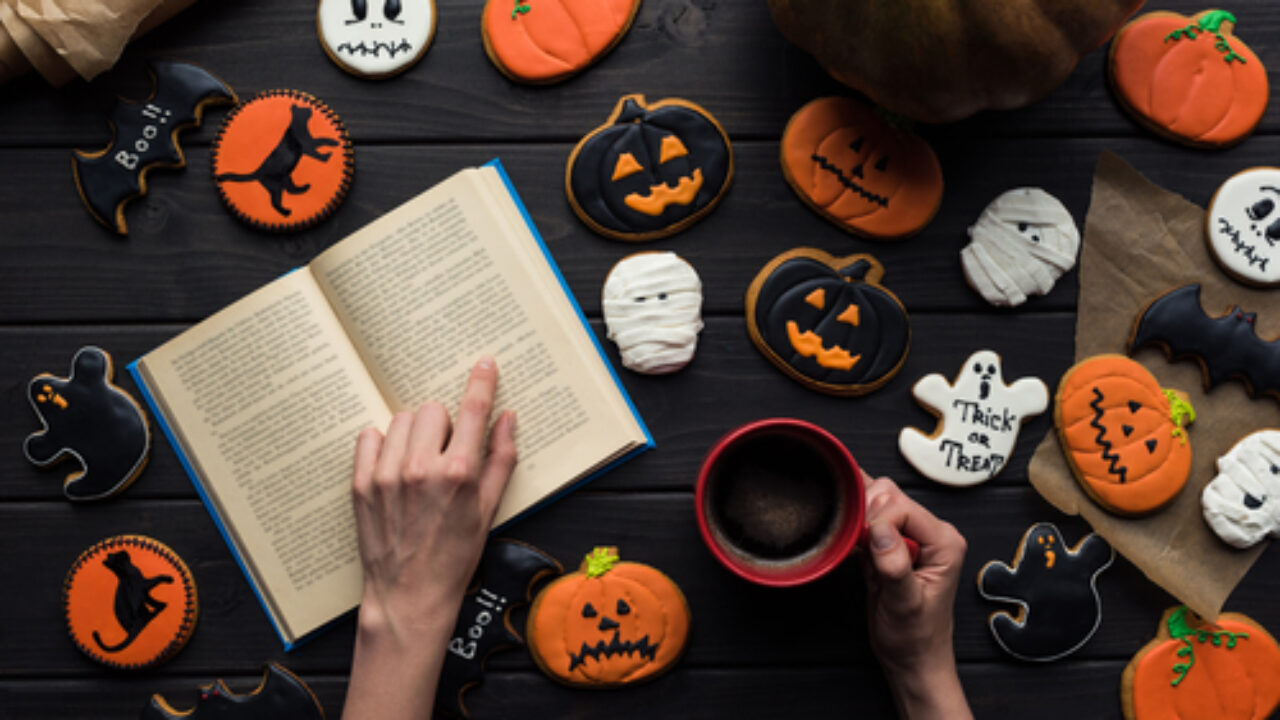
(275, 172)
(86, 417)
(133, 604)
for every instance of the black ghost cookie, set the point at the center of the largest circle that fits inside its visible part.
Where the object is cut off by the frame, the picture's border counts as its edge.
(508, 571)
(827, 322)
(1055, 588)
(281, 694)
(651, 170)
(146, 136)
(87, 417)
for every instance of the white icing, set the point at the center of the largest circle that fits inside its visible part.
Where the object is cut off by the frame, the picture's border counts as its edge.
(979, 418)
(390, 37)
(1251, 467)
(1243, 225)
(1022, 243)
(653, 311)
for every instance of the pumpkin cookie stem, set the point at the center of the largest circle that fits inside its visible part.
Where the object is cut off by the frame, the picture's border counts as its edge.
(1179, 629)
(1211, 22)
(1181, 413)
(600, 561)
(520, 8)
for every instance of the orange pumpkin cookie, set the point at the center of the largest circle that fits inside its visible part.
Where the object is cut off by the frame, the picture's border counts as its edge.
(610, 623)
(1193, 669)
(1189, 78)
(546, 41)
(282, 161)
(130, 602)
(859, 172)
(1123, 436)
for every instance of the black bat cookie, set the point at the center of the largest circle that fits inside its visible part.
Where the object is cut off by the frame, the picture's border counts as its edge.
(1056, 589)
(506, 576)
(1227, 346)
(146, 136)
(86, 417)
(280, 696)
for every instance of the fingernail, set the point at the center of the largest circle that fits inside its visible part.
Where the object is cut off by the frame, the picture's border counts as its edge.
(877, 502)
(508, 421)
(883, 537)
(485, 363)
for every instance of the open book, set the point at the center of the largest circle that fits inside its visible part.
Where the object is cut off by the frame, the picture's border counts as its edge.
(263, 400)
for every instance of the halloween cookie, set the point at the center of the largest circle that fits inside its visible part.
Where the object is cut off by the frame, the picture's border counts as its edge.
(130, 602)
(1242, 502)
(505, 579)
(1198, 669)
(282, 161)
(827, 322)
(1227, 347)
(653, 311)
(1242, 226)
(88, 418)
(546, 41)
(145, 136)
(1022, 243)
(281, 694)
(376, 39)
(979, 417)
(866, 176)
(1123, 436)
(651, 170)
(1189, 78)
(1055, 588)
(610, 623)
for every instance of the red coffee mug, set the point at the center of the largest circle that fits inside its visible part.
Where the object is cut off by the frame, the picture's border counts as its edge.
(751, 466)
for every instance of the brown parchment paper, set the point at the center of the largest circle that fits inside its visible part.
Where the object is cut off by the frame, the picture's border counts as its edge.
(1139, 242)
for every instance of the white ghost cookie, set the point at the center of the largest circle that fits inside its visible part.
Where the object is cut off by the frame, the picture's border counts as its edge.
(1022, 243)
(978, 421)
(1242, 503)
(375, 38)
(653, 311)
(1243, 226)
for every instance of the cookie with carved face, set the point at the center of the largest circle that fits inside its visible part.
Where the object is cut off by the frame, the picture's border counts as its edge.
(1242, 226)
(1242, 502)
(376, 39)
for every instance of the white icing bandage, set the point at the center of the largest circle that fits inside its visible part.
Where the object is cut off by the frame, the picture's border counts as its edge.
(377, 38)
(1243, 226)
(1242, 503)
(653, 311)
(1022, 243)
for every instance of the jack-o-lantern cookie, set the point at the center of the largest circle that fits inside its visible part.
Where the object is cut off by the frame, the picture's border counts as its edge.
(652, 169)
(1124, 437)
(546, 41)
(861, 173)
(1242, 502)
(130, 602)
(610, 623)
(375, 39)
(653, 310)
(1242, 226)
(1199, 669)
(279, 695)
(827, 322)
(89, 418)
(282, 161)
(1022, 243)
(1189, 78)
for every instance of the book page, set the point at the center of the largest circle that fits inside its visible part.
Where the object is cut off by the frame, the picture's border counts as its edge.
(445, 278)
(265, 399)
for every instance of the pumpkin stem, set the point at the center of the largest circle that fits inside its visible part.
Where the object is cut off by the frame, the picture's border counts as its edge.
(520, 8)
(1181, 413)
(1180, 629)
(1212, 22)
(600, 561)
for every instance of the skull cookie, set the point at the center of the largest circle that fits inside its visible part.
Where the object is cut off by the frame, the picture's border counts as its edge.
(1240, 503)
(1022, 243)
(653, 310)
(1243, 227)
(376, 39)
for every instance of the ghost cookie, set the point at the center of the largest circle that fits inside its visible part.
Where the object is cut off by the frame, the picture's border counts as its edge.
(87, 417)
(978, 421)
(543, 42)
(1242, 502)
(1022, 243)
(279, 695)
(1242, 226)
(653, 311)
(375, 39)
(1055, 588)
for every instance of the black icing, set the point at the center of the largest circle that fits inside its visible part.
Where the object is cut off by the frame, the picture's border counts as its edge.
(281, 695)
(616, 646)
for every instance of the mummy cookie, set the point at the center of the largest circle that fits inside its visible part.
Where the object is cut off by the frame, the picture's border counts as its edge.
(651, 170)
(653, 311)
(88, 418)
(1242, 502)
(1022, 243)
(1055, 588)
(279, 695)
(375, 39)
(979, 417)
(544, 42)
(1243, 227)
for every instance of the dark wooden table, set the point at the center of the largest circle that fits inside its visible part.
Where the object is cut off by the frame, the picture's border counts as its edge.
(756, 653)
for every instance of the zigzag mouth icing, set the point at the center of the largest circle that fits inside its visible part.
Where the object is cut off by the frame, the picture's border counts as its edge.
(1107, 455)
(616, 646)
(663, 194)
(848, 182)
(376, 48)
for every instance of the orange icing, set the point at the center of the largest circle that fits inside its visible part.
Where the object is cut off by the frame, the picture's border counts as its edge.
(897, 171)
(662, 195)
(809, 344)
(553, 39)
(1185, 86)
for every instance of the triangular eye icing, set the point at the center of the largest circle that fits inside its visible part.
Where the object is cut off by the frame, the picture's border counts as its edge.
(671, 149)
(882, 164)
(588, 611)
(626, 166)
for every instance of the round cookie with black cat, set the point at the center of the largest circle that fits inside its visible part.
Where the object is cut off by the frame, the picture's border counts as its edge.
(282, 161)
(130, 602)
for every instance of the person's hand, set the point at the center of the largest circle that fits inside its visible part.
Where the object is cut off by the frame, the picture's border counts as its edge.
(910, 609)
(424, 496)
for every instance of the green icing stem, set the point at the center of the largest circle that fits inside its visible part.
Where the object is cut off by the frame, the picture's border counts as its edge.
(1180, 413)
(520, 8)
(600, 561)
(1180, 630)
(1211, 22)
